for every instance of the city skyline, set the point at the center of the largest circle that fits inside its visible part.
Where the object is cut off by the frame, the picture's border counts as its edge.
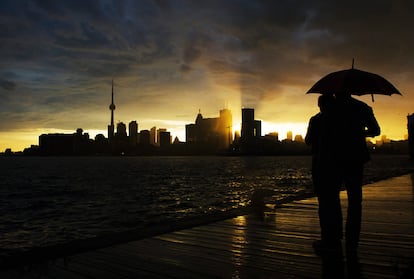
(121, 127)
(206, 136)
(171, 58)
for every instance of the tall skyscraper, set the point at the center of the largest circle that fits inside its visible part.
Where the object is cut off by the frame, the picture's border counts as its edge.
(289, 136)
(133, 133)
(153, 135)
(164, 138)
(251, 128)
(159, 131)
(251, 131)
(121, 129)
(111, 127)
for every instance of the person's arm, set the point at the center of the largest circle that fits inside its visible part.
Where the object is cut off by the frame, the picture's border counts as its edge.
(372, 128)
(309, 133)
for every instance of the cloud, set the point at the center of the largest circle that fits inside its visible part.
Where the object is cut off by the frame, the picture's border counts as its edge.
(185, 68)
(62, 55)
(7, 84)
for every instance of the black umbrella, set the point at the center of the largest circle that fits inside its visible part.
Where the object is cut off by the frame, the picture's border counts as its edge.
(355, 82)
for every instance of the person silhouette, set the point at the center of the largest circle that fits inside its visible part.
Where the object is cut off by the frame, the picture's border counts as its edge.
(313, 134)
(321, 135)
(339, 155)
(357, 122)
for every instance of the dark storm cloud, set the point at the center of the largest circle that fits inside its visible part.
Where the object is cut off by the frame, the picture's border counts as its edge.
(246, 38)
(47, 31)
(185, 68)
(251, 39)
(374, 31)
(257, 46)
(88, 37)
(120, 25)
(7, 84)
(284, 40)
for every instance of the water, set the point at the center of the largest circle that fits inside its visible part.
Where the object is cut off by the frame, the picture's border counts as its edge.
(53, 200)
(47, 200)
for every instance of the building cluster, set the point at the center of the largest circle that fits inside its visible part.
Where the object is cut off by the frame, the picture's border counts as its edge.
(145, 142)
(206, 136)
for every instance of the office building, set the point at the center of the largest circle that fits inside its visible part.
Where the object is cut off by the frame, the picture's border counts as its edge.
(164, 139)
(251, 128)
(144, 137)
(251, 132)
(214, 133)
(65, 144)
(133, 133)
(121, 130)
(158, 139)
(153, 136)
(289, 136)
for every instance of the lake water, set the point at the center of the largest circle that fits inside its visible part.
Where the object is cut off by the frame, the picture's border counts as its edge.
(50, 200)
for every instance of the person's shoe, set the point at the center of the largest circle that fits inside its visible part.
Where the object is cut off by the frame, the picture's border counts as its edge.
(322, 247)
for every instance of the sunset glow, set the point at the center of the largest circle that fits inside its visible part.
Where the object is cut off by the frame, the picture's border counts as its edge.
(170, 59)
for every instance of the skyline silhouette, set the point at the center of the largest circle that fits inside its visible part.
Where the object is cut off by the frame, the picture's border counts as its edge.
(170, 58)
(205, 136)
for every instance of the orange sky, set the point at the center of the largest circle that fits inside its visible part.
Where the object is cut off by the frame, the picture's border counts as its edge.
(171, 58)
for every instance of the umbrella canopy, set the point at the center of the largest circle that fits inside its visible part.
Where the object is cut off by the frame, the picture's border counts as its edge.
(355, 82)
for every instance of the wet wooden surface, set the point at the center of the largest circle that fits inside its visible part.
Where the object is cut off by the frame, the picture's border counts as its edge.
(277, 246)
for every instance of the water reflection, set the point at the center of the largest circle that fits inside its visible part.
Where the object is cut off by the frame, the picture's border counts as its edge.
(249, 248)
(238, 246)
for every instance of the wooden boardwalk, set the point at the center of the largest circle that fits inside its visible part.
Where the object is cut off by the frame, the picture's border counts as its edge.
(277, 246)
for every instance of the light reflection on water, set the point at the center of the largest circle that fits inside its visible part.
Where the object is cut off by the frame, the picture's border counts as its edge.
(238, 243)
(52, 200)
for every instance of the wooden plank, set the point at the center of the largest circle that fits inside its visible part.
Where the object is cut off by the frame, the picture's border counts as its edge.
(195, 260)
(181, 246)
(123, 267)
(47, 270)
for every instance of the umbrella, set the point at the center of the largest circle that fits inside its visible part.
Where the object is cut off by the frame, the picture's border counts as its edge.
(355, 82)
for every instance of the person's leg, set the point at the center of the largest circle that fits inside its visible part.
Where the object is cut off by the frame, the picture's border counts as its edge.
(330, 213)
(353, 182)
(330, 216)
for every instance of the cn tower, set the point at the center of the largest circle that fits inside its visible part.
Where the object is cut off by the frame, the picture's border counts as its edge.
(112, 108)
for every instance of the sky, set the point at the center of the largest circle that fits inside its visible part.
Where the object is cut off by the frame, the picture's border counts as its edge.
(170, 59)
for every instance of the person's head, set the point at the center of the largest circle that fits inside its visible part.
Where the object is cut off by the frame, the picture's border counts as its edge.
(325, 102)
(343, 96)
